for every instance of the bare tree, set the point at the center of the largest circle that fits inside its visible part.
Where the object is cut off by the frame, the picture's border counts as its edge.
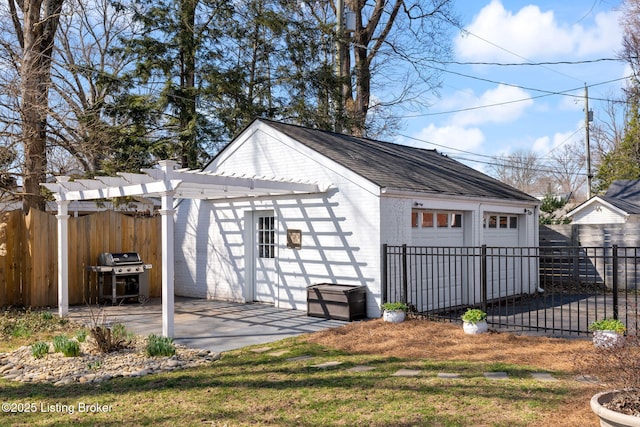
(520, 169)
(607, 133)
(35, 23)
(631, 36)
(568, 168)
(89, 74)
(388, 33)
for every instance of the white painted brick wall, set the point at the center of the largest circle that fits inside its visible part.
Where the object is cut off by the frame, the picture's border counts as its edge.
(340, 230)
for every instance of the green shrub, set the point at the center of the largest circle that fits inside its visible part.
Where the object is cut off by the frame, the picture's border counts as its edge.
(59, 342)
(160, 346)
(71, 349)
(119, 332)
(46, 315)
(474, 315)
(39, 349)
(608, 325)
(393, 306)
(81, 336)
(62, 344)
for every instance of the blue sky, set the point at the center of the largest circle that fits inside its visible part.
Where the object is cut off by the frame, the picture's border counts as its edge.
(504, 31)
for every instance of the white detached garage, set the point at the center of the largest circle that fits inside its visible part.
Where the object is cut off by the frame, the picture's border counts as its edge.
(271, 248)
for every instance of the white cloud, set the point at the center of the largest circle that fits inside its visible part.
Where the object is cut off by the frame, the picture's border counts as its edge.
(498, 34)
(543, 146)
(507, 104)
(468, 139)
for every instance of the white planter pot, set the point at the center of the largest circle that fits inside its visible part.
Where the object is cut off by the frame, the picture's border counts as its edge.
(609, 418)
(607, 339)
(393, 316)
(475, 328)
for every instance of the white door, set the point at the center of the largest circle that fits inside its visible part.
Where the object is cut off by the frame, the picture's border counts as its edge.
(264, 252)
(501, 233)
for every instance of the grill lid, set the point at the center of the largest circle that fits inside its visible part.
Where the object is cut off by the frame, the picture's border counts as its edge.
(119, 258)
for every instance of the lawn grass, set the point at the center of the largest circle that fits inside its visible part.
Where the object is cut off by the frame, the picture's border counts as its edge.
(247, 388)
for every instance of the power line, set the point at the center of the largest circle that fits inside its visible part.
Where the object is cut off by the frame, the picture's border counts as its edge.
(513, 165)
(465, 31)
(532, 64)
(545, 94)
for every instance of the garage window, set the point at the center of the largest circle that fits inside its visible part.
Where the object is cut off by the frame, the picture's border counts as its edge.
(443, 220)
(456, 220)
(501, 221)
(421, 218)
(427, 219)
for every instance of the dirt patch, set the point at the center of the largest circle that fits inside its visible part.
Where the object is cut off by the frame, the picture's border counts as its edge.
(422, 339)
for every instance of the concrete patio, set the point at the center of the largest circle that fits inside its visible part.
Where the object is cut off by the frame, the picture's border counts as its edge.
(211, 325)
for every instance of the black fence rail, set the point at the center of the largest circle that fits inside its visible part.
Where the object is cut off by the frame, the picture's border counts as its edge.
(553, 290)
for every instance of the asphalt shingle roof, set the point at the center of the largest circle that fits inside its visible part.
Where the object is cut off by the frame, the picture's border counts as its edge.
(401, 167)
(624, 194)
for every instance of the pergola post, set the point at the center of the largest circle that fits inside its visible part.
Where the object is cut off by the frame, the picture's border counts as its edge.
(63, 257)
(169, 184)
(168, 286)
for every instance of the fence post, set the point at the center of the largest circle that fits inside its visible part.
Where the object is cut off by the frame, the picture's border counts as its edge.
(615, 281)
(385, 283)
(483, 277)
(403, 297)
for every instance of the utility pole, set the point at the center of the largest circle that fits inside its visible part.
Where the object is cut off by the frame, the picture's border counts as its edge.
(587, 118)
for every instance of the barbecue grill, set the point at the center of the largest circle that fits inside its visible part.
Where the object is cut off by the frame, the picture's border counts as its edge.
(125, 271)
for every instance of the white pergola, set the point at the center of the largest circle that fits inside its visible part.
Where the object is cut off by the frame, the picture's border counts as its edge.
(169, 184)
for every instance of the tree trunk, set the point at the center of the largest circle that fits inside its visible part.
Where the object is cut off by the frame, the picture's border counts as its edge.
(188, 113)
(36, 36)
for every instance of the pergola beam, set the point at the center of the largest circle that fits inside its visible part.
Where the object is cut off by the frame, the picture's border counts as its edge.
(168, 183)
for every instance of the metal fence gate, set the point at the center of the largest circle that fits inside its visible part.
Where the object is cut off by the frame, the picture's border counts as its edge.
(552, 290)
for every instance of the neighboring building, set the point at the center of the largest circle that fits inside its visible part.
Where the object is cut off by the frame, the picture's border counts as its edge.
(269, 249)
(620, 204)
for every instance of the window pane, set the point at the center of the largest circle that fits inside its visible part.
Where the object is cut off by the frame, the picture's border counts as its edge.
(503, 221)
(456, 220)
(513, 222)
(414, 219)
(427, 219)
(266, 237)
(443, 219)
(493, 221)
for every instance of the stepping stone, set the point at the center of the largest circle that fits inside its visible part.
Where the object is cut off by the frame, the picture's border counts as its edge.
(326, 364)
(407, 373)
(543, 376)
(295, 359)
(278, 353)
(361, 368)
(496, 375)
(448, 376)
(260, 349)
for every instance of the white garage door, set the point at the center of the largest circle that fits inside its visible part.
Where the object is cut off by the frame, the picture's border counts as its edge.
(439, 232)
(501, 235)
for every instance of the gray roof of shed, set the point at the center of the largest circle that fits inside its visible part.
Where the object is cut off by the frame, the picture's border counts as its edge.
(624, 194)
(401, 167)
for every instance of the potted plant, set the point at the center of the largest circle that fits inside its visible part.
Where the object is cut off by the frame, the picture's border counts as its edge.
(474, 321)
(616, 368)
(394, 312)
(608, 332)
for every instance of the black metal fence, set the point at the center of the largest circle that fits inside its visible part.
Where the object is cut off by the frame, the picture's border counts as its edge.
(553, 290)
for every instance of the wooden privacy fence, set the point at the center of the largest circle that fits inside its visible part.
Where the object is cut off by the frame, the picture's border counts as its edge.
(29, 254)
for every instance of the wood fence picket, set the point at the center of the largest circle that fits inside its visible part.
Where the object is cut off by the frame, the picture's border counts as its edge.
(29, 254)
